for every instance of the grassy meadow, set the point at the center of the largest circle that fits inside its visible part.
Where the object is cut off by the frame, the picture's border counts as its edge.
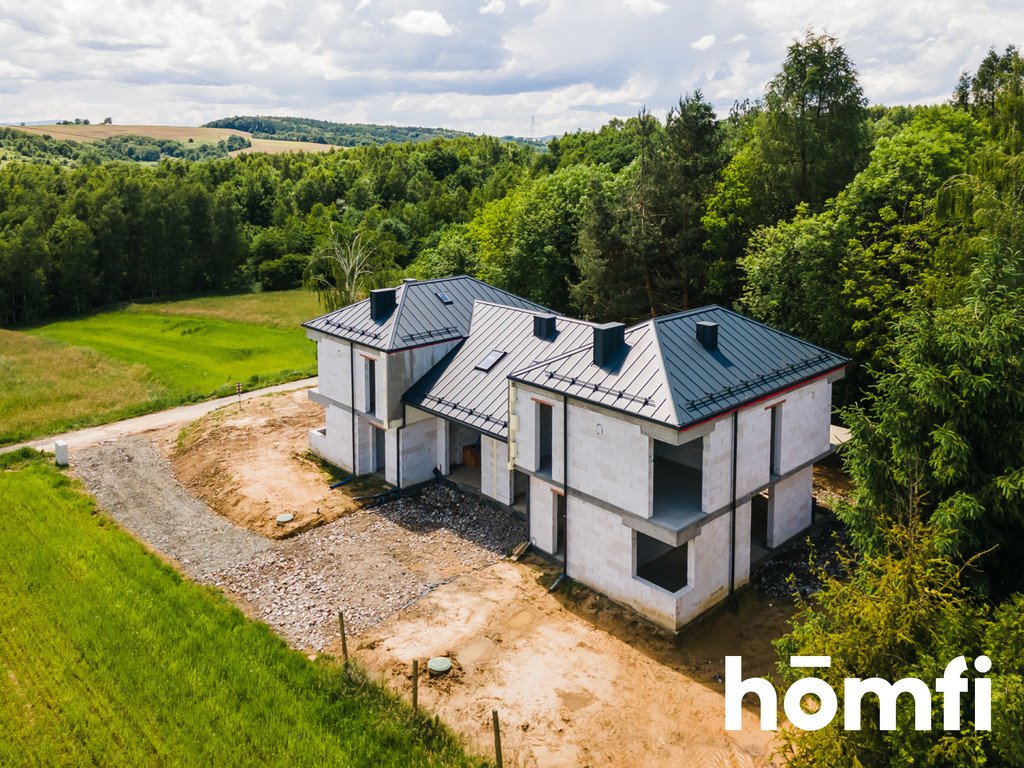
(108, 657)
(147, 357)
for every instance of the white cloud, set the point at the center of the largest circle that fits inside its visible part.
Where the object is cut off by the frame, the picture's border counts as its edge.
(193, 61)
(423, 23)
(494, 6)
(703, 43)
(645, 7)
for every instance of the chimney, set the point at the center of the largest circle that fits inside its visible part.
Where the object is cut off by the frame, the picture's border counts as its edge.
(609, 341)
(382, 303)
(543, 326)
(707, 335)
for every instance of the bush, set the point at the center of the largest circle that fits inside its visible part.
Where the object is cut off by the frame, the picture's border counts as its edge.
(283, 273)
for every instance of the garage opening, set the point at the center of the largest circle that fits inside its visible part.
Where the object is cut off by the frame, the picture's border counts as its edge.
(464, 455)
(662, 564)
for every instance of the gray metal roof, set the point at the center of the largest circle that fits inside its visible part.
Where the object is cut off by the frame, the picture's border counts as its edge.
(456, 389)
(420, 317)
(667, 376)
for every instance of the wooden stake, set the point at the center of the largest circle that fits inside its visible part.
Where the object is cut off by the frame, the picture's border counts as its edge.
(415, 684)
(344, 642)
(497, 736)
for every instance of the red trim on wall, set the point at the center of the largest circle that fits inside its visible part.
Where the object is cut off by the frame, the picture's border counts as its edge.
(769, 396)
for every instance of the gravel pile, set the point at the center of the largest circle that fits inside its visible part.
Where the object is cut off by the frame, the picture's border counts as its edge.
(370, 563)
(137, 487)
(442, 507)
(804, 561)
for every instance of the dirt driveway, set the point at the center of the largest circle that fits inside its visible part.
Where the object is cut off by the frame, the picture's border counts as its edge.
(577, 681)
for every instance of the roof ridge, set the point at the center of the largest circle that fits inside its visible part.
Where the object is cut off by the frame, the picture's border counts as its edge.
(399, 306)
(563, 355)
(689, 313)
(527, 310)
(665, 381)
(767, 327)
(439, 279)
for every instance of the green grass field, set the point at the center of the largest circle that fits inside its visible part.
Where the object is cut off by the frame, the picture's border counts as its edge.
(109, 658)
(147, 357)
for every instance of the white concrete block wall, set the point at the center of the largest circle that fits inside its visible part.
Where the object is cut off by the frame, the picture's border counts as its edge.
(611, 459)
(366, 460)
(601, 554)
(526, 437)
(790, 506)
(495, 476)
(362, 379)
(419, 450)
(806, 415)
(753, 438)
(543, 516)
(441, 448)
(716, 483)
(391, 456)
(332, 361)
(336, 445)
(401, 371)
(710, 584)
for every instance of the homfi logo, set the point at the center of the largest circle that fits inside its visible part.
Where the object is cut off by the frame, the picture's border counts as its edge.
(951, 685)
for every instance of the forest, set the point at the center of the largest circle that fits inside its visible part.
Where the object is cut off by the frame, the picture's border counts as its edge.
(326, 132)
(20, 146)
(892, 234)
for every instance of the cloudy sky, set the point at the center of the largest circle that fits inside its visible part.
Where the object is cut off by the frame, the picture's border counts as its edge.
(487, 66)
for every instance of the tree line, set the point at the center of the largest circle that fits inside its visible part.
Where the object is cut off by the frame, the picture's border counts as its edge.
(327, 132)
(75, 239)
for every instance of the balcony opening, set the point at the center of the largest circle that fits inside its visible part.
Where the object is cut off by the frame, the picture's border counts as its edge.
(678, 481)
(662, 564)
(545, 419)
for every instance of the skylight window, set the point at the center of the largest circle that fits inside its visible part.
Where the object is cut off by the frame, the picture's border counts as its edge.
(444, 297)
(490, 361)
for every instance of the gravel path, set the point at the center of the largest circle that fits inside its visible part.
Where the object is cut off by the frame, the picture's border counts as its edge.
(370, 563)
(137, 487)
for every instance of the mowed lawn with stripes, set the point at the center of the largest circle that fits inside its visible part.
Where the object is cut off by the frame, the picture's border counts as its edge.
(147, 357)
(108, 657)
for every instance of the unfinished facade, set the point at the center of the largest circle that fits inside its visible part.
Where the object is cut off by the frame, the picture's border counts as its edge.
(654, 461)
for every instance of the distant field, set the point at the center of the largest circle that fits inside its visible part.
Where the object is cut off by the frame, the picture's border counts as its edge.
(171, 132)
(109, 658)
(276, 147)
(285, 309)
(144, 358)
